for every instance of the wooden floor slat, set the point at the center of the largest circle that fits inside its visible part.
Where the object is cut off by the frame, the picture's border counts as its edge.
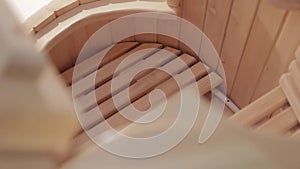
(106, 72)
(169, 87)
(91, 64)
(261, 108)
(138, 89)
(280, 123)
(104, 91)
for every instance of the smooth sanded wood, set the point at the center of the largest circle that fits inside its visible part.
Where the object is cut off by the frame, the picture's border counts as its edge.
(292, 94)
(61, 7)
(169, 87)
(107, 71)
(281, 56)
(263, 35)
(216, 18)
(86, 1)
(105, 91)
(280, 123)
(138, 89)
(194, 11)
(209, 82)
(261, 108)
(238, 30)
(295, 73)
(40, 19)
(91, 64)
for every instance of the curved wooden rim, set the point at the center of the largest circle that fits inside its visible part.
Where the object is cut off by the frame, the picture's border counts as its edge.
(58, 19)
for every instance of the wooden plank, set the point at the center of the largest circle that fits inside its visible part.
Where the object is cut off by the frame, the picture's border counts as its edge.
(61, 7)
(295, 73)
(266, 27)
(40, 19)
(281, 55)
(217, 15)
(78, 38)
(106, 72)
(261, 108)
(168, 26)
(91, 64)
(238, 29)
(280, 123)
(194, 11)
(297, 54)
(169, 87)
(60, 55)
(86, 1)
(104, 91)
(155, 60)
(291, 92)
(209, 82)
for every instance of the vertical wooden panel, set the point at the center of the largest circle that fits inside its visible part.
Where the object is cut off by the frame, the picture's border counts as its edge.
(61, 54)
(281, 55)
(78, 39)
(93, 27)
(266, 26)
(217, 14)
(240, 22)
(194, 11)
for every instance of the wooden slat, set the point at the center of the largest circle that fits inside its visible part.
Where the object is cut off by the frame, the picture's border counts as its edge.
(86, 1)
(104, 91)
(209, 82)
(265, 29)
(291, 92)
(280, 123)
(137, 90)
(194, 11)
(169, 87)
(107, 71)
(261, 108)
(295, 73)
(40, 20)
(217, 14)
(61, 7)
(281, 56)
(91, 64)
(238, 29)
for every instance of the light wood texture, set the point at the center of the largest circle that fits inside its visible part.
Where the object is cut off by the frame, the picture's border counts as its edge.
(61, 7)
(39, 21)
(281, 55)
(194, 11)
(104, 91)
(86, 1)
(106, 72)
(169, 87)
(295, 73)
(291, 92)
(217, 14)
(280, 123)
(262, 36)
(286, 4)
(91, 64)
(260, 108)
(239, 26)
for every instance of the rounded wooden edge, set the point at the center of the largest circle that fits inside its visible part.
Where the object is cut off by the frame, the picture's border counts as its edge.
(56, 8)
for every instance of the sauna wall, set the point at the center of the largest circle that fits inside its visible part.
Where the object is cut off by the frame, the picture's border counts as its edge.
(256, 41)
